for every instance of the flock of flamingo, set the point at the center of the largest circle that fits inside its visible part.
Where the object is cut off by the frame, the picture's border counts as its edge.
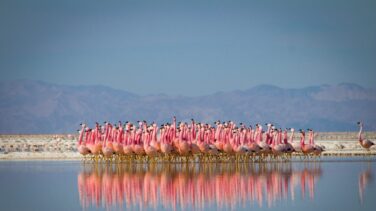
(187, 186)
(183, 142)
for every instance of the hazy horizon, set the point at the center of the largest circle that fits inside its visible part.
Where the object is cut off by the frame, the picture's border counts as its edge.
(45, 107)
(175, 95)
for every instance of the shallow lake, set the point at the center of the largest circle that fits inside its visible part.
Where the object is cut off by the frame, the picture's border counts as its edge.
(329, 184)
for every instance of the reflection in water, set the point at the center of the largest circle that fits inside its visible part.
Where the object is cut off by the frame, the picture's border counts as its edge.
(193, 185)
(365, 177)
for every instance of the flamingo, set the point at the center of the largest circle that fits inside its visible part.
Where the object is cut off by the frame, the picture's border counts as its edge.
(227, 148)
(118, 134)
(217, 137)
(166, 147)
(82, 148)
(288, 147)
(296, 145)
(223, 137)
(306, 148)
(149, 150)
(137, 147)
(202, 145)
(96, 145)
(209, 140)
(192, 138)
(365, 143)
(252, 145)
(265, 148)
(154, 137)
(238, 149)
(107, 148)
(127, 139)
(277, 149)
(317, 150)
(181, 143)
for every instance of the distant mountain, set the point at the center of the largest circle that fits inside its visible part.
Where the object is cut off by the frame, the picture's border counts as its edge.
(39, 107)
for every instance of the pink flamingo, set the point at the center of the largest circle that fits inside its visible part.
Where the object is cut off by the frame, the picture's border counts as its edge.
(192, 138)
(209, 140)
(81, 147)
(296, 145)
(265, 147)
(227, 148)
(118, 134)
(237, 148)
(288, 147)
(149, 150)
(127, 139)
(107, 148)
(137, 145)
(365, 143)
(182, 144)
(277, 148)
(218, 136)
(252, 145)
(306, 148)
(154, 137)
(166, 146)
(96, 145)
(317, 150)
(202, 145)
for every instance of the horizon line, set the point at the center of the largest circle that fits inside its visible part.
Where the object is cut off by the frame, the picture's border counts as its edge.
(181, 95)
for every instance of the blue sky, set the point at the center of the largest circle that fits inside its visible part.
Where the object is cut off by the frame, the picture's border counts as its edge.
(189, 47)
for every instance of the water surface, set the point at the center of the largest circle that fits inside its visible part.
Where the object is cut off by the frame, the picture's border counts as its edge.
(332, 184)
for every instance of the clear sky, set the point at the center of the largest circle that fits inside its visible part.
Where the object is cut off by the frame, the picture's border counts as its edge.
(189, 47)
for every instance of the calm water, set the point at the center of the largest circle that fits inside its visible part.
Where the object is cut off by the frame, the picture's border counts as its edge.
(332, 184)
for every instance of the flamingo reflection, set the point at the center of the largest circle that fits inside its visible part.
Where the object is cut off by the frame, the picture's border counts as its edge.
(189, 186)
(365, 178)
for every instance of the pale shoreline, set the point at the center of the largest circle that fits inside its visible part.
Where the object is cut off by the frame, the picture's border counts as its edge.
(63, 147)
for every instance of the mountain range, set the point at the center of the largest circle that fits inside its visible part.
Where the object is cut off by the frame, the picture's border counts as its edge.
(30, 107)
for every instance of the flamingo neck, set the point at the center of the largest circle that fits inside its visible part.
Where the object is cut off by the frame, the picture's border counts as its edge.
(81, 136)
(360, 133)
(292, 137)
(302, 140)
